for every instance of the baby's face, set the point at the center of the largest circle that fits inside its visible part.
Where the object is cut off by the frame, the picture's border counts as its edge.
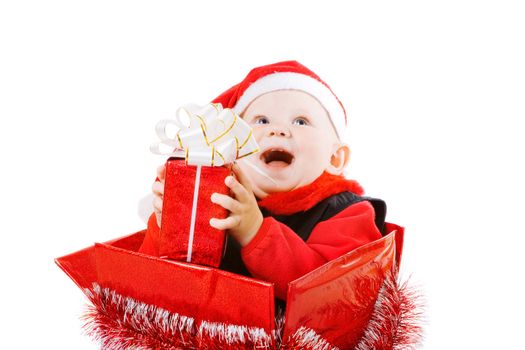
(296, 140)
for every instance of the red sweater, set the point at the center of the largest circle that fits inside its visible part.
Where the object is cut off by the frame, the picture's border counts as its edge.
(277, 254)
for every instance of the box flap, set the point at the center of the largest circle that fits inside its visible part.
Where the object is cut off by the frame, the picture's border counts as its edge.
(203, 293)
(336, 300)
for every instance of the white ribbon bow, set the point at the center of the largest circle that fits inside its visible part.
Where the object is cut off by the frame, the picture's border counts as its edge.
(208, 135)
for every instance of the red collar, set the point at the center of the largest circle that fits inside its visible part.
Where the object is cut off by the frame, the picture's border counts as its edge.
(306, 197)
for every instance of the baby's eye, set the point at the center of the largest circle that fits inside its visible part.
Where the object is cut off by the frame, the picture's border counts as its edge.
(300, 121)
(261, 120)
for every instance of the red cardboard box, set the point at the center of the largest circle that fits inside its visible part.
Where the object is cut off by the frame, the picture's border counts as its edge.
(183, 183)
(334, 303)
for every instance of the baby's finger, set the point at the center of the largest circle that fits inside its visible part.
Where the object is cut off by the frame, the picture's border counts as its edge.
(225, 224)
(238, 190)
(157, 204)
(225, 201)
(161, 172)
(158, 188)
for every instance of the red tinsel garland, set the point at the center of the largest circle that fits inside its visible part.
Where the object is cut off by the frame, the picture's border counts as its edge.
(119, 322)
(396, 321)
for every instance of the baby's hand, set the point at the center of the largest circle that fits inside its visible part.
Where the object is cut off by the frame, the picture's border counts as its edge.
(245, 217)
(158, 192)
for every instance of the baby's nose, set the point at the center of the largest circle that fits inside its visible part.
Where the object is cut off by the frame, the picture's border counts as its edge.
(279, 131)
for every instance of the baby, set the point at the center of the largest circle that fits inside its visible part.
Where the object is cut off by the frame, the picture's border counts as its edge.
(309, 214)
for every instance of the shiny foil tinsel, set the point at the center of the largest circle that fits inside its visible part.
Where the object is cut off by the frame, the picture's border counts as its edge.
(118, 322)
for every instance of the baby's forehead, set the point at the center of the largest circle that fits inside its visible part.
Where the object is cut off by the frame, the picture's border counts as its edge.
(288, 101)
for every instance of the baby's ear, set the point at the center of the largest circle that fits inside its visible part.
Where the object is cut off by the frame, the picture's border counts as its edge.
(339, 159)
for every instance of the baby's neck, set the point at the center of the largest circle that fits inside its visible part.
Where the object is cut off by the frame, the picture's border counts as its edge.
(305, 197)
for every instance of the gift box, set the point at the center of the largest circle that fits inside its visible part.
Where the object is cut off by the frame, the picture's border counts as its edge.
(199, 152)
(185, 232)
(140, 301)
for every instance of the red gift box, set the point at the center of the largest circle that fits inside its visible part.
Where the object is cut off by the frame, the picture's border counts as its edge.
(147, 302)
(185, 233)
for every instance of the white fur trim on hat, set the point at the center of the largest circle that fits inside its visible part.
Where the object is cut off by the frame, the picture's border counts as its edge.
(295, 81)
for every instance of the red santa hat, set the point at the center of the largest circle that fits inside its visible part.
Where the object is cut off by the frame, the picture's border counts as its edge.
(287, 75)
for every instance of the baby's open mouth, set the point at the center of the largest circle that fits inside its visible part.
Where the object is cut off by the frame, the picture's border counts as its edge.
(277, 157)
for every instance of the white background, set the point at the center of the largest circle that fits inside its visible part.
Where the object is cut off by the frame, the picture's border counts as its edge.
(435, 97)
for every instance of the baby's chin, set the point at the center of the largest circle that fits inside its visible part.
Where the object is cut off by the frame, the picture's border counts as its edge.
(266, 187)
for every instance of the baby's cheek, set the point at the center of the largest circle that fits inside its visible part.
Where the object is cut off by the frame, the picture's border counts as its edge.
(314, 162)
(316, 152)
(258, 133)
